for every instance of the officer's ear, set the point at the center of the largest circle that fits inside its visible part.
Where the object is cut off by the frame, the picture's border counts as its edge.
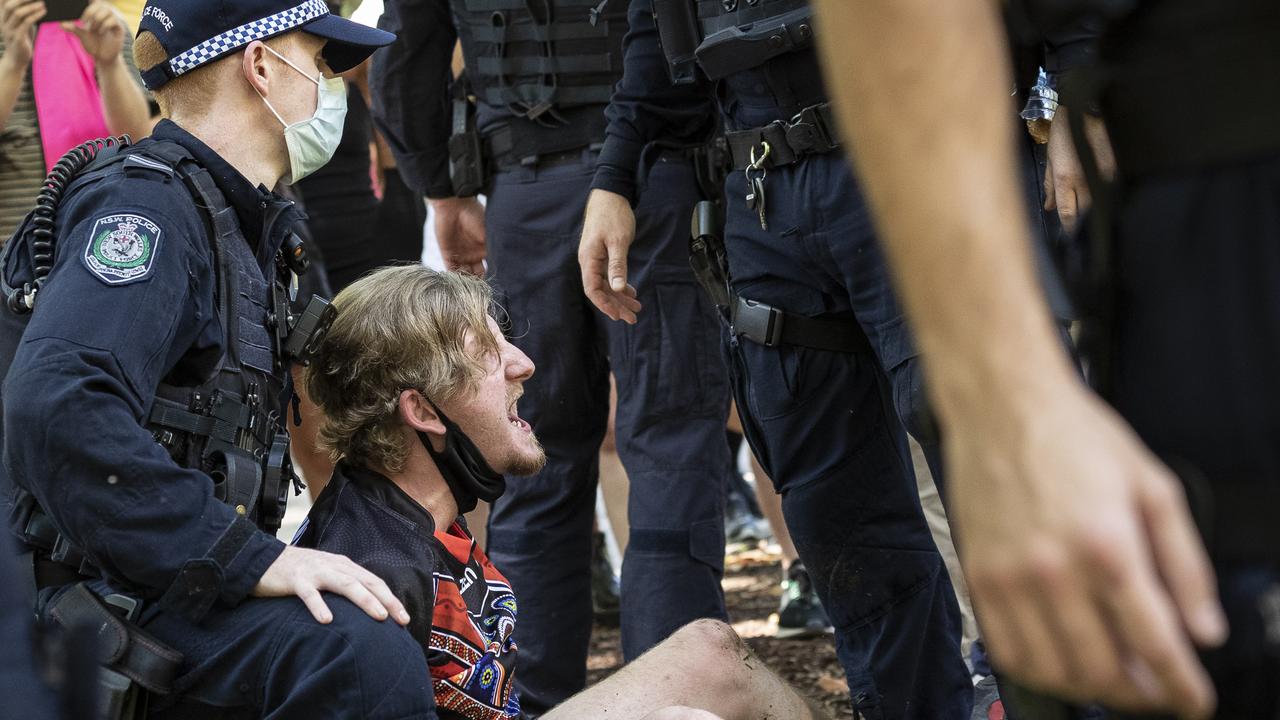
(254, 65)
(419, 414)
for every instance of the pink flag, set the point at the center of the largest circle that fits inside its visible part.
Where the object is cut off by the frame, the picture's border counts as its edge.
(68, 103)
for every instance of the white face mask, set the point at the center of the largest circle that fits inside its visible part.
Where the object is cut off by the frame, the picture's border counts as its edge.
(313, 142)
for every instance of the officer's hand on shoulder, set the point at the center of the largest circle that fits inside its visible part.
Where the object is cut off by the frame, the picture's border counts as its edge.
(608, 230)
(305, 573)
(459, 225)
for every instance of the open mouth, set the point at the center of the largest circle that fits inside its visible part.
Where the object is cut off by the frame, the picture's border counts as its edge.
(516, 420)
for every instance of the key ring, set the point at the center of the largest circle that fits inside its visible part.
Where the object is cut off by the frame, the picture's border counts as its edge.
(758, 164)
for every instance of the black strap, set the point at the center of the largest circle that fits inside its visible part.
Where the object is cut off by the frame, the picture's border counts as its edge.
(771, 327)
(492, 5)
(123, 646)
(173, 416)
(519, 142)
(221, 224)
(541, 33)
(39, 532)
(810, 132)
(568, 95)
(543, 65)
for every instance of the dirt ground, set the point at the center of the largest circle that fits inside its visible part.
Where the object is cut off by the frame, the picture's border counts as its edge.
(752, 591)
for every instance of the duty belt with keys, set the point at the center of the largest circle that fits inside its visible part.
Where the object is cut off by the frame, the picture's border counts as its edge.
(778, 144)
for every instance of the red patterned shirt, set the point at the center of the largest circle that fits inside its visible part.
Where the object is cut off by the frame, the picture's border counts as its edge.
(462, 610)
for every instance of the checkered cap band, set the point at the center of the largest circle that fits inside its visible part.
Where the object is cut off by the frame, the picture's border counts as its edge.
(216, 47)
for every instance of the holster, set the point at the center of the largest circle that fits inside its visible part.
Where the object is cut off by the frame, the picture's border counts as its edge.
(466, 151)
(711, 165)
(133, 662)
(707, 254)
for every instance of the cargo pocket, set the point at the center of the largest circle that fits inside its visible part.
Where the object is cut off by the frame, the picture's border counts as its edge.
(772, 383)
(680, 369)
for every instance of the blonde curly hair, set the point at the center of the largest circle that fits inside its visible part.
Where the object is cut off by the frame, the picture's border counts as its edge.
(397, 328)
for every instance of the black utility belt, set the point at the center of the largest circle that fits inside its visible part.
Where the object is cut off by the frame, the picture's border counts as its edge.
(38, 532)
(770, 326)
(475, 156)
(502, 162)
(783, 142)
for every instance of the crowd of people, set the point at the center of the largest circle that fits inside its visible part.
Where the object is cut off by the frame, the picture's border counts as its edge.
(664, 230)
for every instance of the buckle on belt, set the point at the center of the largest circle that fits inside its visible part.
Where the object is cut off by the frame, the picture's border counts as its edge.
(757, 322)
(808, 133)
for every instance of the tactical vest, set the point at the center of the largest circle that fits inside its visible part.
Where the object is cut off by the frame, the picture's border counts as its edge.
(537, 59)
(230, 425)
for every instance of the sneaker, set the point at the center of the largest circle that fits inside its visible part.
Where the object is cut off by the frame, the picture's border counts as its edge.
(745, 531)
(742, 528)
(800, 614)
(606, 596)
(986, 700)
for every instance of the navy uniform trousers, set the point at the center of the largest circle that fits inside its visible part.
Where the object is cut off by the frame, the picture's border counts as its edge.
(268, 657)
(826, 427)
(673, 400)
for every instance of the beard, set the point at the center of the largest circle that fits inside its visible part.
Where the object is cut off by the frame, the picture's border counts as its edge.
(527, 461)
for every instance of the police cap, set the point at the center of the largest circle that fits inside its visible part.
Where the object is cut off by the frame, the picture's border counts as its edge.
(197, 32)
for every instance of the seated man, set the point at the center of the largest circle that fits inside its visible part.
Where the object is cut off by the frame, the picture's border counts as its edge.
(419, 390)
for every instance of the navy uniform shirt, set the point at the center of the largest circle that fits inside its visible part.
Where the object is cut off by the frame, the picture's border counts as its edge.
(647, 108)
(129, 303)
(411, 80)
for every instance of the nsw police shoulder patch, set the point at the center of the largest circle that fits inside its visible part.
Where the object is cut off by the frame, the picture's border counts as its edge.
(122, 248)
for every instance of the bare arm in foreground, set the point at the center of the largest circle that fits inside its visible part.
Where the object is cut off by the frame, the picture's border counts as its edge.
(1087, 574)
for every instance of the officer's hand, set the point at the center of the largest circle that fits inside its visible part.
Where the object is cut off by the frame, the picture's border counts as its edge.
(608, 229)
(304, 573)
(17, 19)
(101, 32)
(1065, 188)
(1086, 571)
(459, 228)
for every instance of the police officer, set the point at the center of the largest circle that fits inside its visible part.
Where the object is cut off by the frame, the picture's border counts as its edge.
(1084, 561)
(541, 74)
(823, 365)
(145, 399)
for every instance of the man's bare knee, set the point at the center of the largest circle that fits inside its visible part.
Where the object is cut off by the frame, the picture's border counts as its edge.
(722, 660)
(676, 712)
(713, 640)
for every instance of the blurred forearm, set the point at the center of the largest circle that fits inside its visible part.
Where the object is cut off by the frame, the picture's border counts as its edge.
(12, 75)
(123, 102)
(922, 90)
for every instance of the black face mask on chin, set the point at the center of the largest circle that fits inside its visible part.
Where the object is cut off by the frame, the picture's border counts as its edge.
(469, 477)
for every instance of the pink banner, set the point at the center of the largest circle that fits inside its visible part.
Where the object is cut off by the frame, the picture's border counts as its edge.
(68, 103)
